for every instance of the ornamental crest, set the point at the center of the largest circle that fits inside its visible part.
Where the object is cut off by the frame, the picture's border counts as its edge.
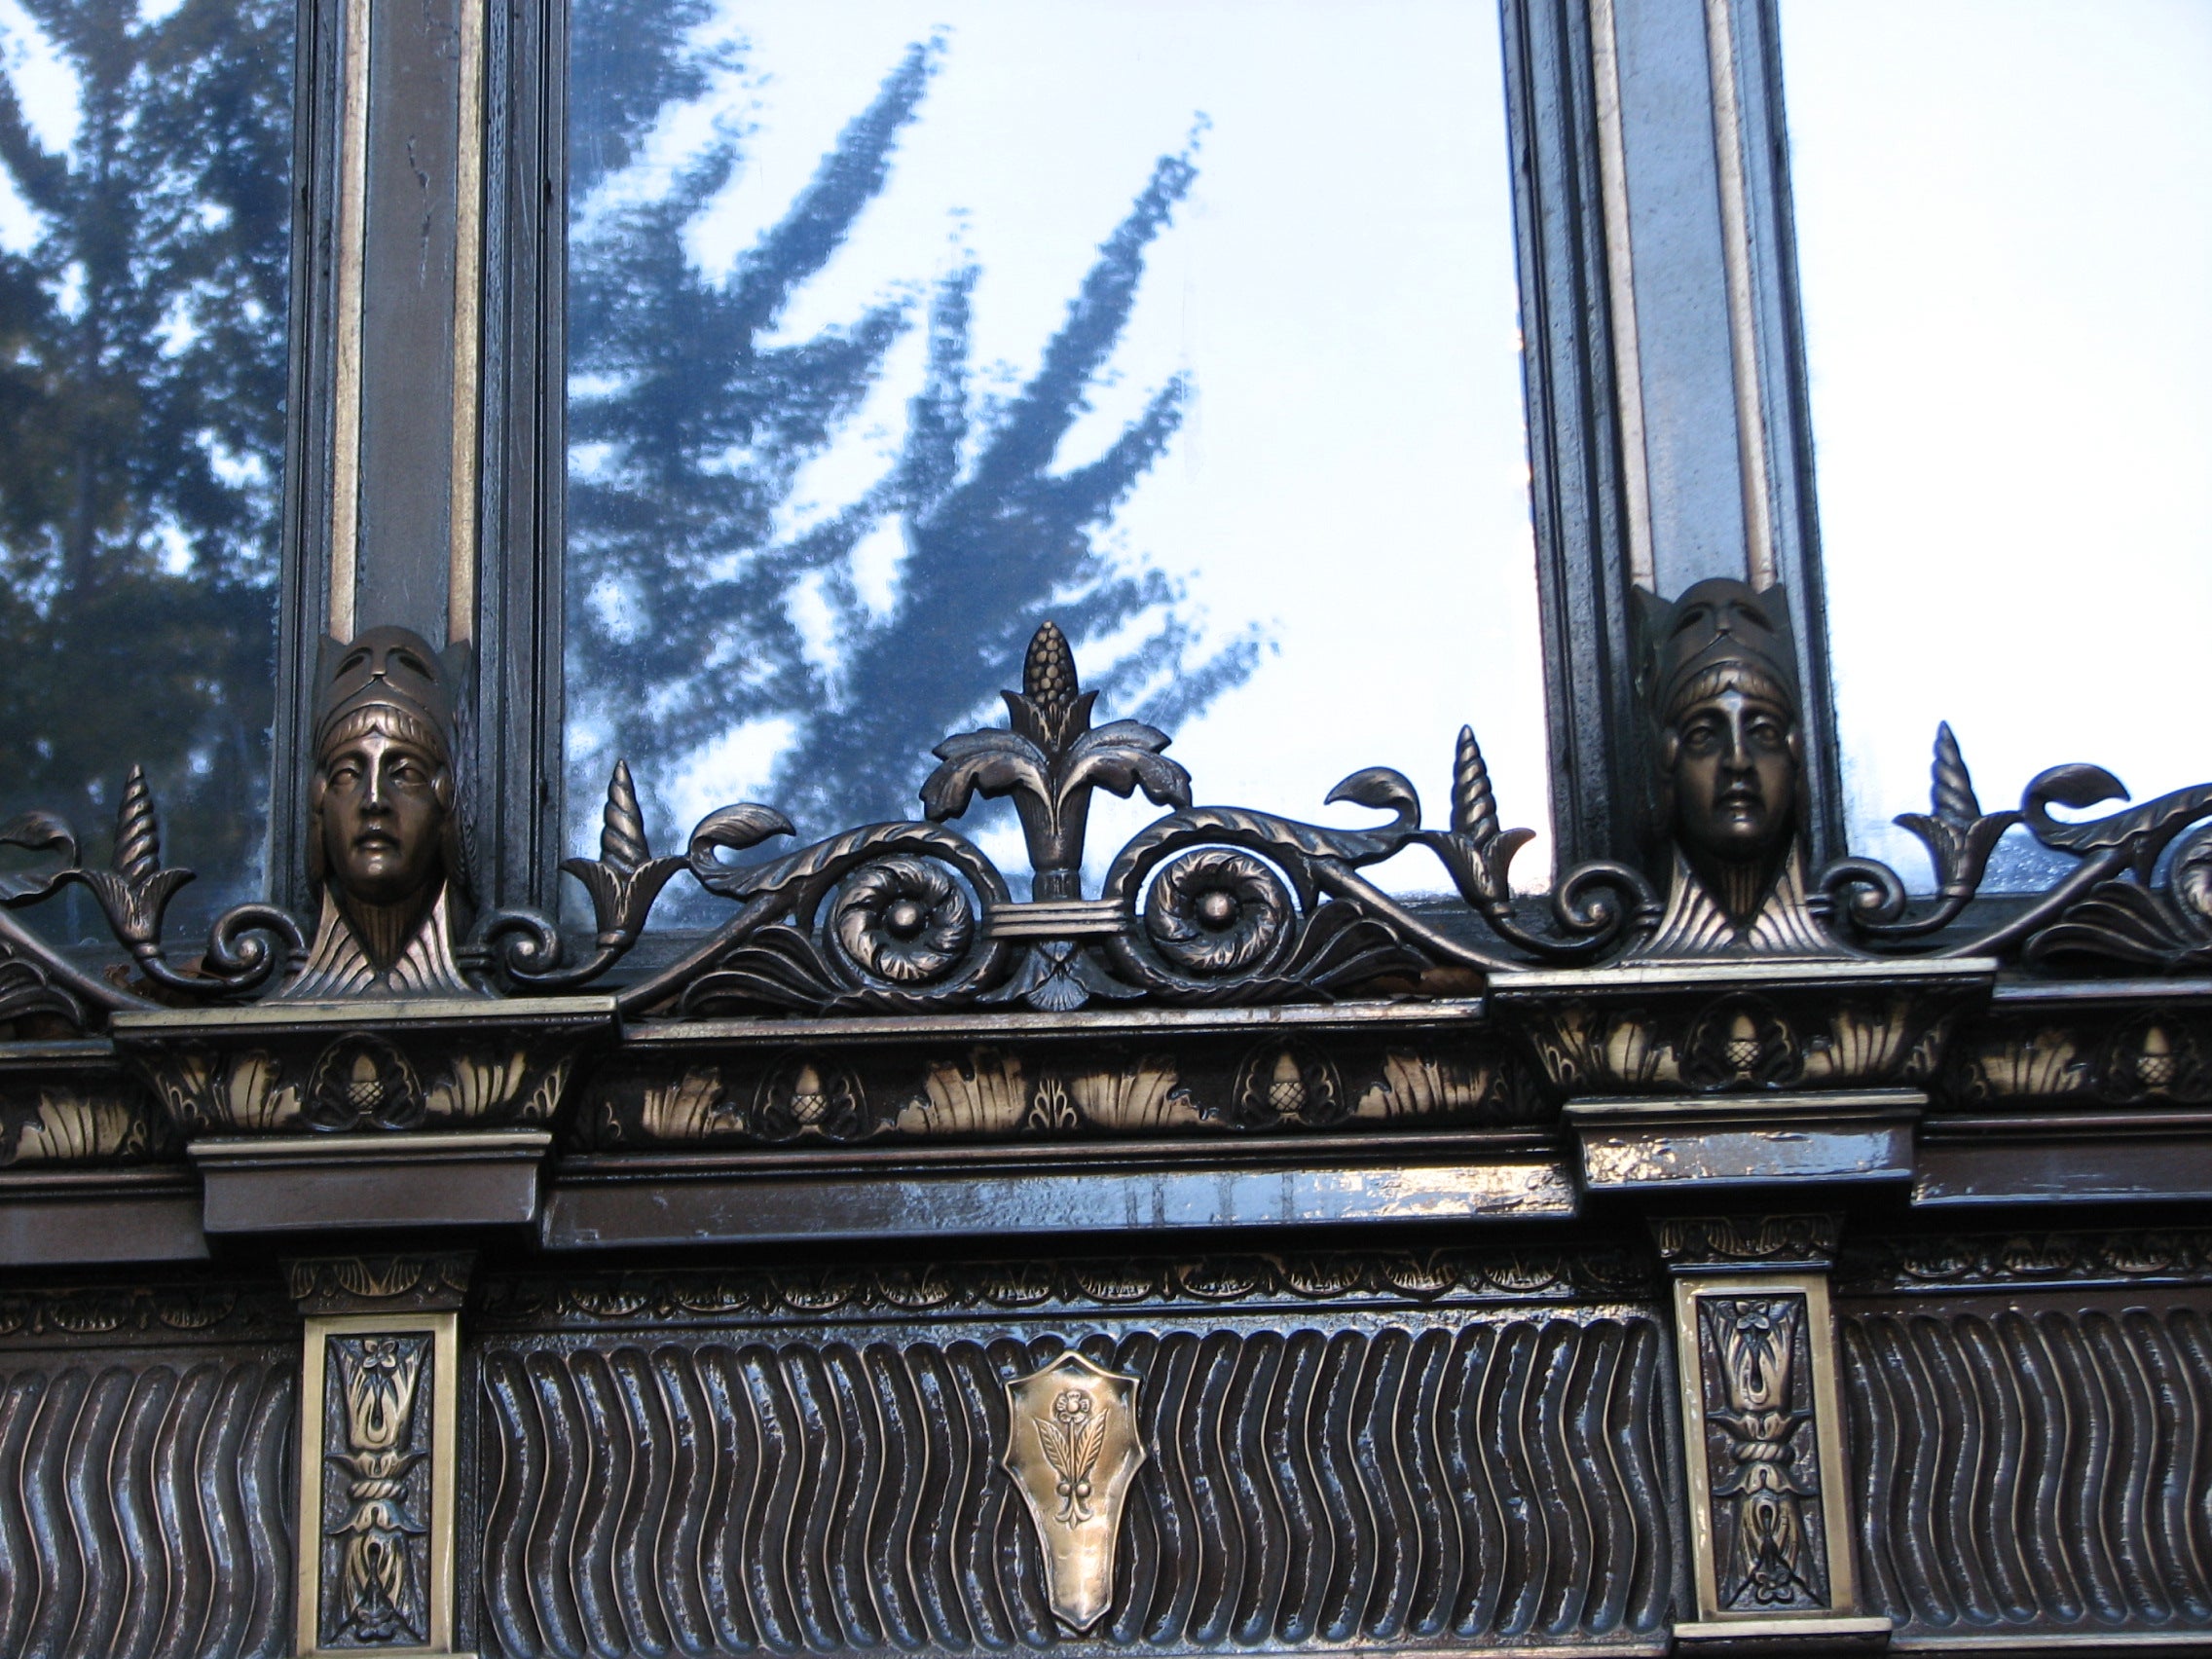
(1073, 1449)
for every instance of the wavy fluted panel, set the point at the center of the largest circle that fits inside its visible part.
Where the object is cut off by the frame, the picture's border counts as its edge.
(144, 1510)
(2032, 1468)
(1438, 1485)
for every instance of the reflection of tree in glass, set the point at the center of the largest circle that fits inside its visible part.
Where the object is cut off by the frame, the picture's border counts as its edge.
(689, 432)
(142, 376)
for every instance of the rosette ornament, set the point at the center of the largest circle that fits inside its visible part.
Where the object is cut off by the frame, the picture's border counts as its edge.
(1050, 760)
(902, 920)
(1218, 912)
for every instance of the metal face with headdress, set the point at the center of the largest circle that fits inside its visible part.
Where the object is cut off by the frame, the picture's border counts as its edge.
(1719, 680)
(383, 840)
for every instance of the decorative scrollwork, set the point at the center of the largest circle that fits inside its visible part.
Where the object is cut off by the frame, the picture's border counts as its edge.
(2106, 909)
(1217, 912)
(1208, 906)
(903, 921)
(2129, 923)
(623, 882)
(1050, 760)
(772, 953)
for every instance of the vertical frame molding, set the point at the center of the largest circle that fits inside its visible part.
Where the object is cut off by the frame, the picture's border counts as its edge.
(1712, 443)
(1620, 289)
(398, 377)
(1580, 498)
(1760, 565)
(1784, 397)
(467, 329)
(346, 393)
(312, 435)
(522, 472)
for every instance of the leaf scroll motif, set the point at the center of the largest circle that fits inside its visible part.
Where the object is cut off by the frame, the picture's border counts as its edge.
(1071, 1439)
(1769, 1547)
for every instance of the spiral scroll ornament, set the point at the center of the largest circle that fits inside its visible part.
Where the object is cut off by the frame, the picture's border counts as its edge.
(1217, 912)
(901, 920)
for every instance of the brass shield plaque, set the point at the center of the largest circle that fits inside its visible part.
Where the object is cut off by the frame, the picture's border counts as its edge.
(1073, 1449)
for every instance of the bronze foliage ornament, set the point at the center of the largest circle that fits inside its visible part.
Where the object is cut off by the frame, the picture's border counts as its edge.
(1759, 1484)
(1762, 1433)
(379, 1395)
(381, 1580)
(1073, 1448)
(1208, 906)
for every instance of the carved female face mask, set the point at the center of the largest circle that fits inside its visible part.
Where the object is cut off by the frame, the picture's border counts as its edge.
(384, 816)
(1734, 757)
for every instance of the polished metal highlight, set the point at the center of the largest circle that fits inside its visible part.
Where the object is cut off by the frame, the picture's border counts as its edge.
(385, 843)
(1763, 1441)
(375, 1545)
(1207, 906)
(346, 394)
(468, 328)
(1073, 1449)
(1743, 323)
(1620, 287)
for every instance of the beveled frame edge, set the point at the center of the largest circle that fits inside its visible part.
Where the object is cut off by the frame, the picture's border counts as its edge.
(517, 805)
(303, 547)
(1785, 397)
(1578, 488)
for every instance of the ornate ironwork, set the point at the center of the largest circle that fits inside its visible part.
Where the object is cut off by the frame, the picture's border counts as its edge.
(1312, 1479)
(1208, 906)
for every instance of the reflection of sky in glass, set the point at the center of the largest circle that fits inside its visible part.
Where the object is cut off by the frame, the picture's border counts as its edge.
(1339, 285)
(2004, 213)
(143, 250)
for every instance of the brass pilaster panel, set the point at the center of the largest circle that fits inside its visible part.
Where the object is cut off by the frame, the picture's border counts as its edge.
(1763, 1455)
(380, 1396)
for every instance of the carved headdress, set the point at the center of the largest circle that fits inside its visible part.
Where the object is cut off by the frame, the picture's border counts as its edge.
(388, 683)
(389, 680)
(1721, 635)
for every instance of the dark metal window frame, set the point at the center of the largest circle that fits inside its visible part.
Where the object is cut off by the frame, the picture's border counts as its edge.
(1581, 493)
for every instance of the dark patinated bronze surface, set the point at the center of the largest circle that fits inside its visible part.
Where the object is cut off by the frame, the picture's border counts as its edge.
(1236, 1256)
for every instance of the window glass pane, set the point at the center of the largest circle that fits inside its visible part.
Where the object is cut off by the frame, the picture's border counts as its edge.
(896, 328)
(2005, 217)
(145, 225)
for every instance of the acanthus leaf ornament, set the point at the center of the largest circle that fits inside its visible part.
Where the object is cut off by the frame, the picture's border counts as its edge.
(1073, 1448)
(1049, 758)
(2132, 923)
